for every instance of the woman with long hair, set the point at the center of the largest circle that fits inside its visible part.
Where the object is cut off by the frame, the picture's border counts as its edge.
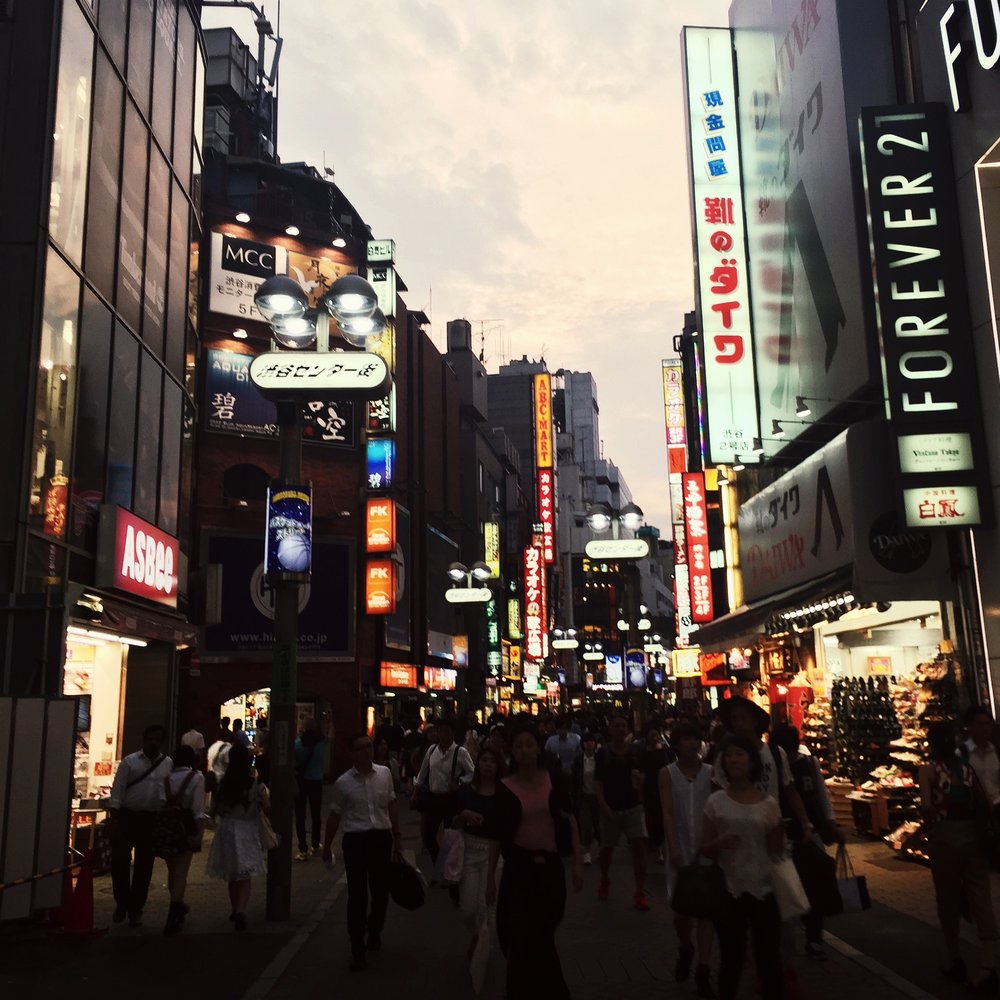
(477, 817)
(236, 854)
(537, 828)
(959, 865)
(186, 787)
(742, 831)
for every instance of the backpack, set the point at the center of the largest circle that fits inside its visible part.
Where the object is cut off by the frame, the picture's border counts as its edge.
(174, 825)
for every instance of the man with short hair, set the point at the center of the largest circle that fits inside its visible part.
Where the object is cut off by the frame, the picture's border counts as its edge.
(981, 753)
(137, 795)
(194, 739)
(364, 805)
(617, 784)
(564, 745)
(239, 736)
(445, 767)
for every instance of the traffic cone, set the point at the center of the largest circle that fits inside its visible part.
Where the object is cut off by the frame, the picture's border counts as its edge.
(79, 914)
(60, 914)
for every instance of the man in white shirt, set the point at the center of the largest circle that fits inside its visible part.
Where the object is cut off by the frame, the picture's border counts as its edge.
(981, 752)
(444, 768)
(564, 745)
(364, 805)
(194, 739)
(137, 795)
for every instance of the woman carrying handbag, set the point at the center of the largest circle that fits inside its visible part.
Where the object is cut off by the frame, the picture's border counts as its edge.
(743, 832)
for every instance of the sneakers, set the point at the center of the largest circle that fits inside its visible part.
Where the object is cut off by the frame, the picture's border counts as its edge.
(317, 851)
(641, 900)
(603, 888)
(586, 858)
(815, 950)
(302, 856)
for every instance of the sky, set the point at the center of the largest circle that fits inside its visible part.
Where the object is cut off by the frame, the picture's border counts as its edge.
(528, 158)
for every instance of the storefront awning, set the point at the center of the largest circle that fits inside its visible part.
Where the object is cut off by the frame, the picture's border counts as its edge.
(745, 625)
(104, 612)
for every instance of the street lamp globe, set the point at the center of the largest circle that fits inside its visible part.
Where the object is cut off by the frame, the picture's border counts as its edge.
(280, 297)
(599, 517)
(457, 572)
(632, 516)
(358, 330)
(297, 332)
(349, 297)
(481, 571)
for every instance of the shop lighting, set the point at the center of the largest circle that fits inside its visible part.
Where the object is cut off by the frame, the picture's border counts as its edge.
(292, 230)
(350, 296)
(243, 217)
(801, 407)
(722, 479)
(777, 431)
(239, 334)
(340, 242)
(281, 296)
(737, 466)
(757, 447)
(89, 633)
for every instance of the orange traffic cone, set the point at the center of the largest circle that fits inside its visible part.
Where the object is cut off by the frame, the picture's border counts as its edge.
(60, 914)
(79, 914)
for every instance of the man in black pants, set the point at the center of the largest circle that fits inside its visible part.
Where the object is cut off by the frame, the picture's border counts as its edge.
(137, 795)
(364, 803)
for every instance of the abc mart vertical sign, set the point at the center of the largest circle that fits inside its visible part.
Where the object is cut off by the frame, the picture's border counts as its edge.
(928, 358)
(719, 227)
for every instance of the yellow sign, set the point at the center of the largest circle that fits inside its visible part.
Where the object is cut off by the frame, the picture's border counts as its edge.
(515, 662)
(491, 546)
(514, 619)
(543, 421)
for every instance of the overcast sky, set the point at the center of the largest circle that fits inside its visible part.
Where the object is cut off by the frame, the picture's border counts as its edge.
(528, 157)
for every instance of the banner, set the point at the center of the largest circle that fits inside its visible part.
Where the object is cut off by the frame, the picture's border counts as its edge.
(534, 603)
(696, 529)
(288, 538)
(543, 421)
(491, 547)
(547, 513)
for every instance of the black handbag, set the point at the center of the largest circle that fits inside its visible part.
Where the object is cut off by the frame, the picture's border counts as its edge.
(818, 873)
(406, 887)
(699, 891)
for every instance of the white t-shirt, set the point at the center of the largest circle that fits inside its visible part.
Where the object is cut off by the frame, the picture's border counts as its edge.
(747, 866)
(218, 758)
(362, 799)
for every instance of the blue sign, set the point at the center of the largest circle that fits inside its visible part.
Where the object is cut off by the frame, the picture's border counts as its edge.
(288, 539)
(234, 406)
(635, 670)
(246, 626)
(381, 463)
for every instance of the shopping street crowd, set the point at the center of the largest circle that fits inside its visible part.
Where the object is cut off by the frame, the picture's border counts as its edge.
(738, 817)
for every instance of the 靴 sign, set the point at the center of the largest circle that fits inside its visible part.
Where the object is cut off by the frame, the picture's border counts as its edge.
(929, 368)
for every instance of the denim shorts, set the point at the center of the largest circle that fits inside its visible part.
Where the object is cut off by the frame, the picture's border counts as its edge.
(630, 822)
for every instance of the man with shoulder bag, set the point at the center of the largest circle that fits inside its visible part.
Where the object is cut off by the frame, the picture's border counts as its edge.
(137, 795)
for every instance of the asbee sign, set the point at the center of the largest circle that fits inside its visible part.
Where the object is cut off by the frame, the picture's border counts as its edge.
(144, 561)
(928, 360)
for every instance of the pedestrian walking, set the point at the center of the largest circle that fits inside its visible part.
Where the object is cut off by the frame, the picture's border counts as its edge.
(239, 734)
(742, 832)
(137, 795)
(981, 753)
(196, 741)
(588, 812)
(310, 750)
(184, 788)
(445, 767)
(385, 757)
(364, 806)
(236, 855)
(618, 783)
(563, 745)
(217, 760)
(537, 829)
(959, 864)
(477, 818)
(653, 757)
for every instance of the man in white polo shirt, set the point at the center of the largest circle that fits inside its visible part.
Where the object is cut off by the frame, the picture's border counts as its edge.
(364, 805)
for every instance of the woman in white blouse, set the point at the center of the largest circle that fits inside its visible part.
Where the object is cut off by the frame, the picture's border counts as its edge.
(187, 787)
(742, 832)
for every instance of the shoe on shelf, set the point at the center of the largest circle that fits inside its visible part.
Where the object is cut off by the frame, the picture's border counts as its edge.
(603, 888)
(685, 959)
(121, 912)
(703, 983)
(956, 971)
(641, 900)
(586, 858)
(815, 949)
(987, 985)
(302, 856)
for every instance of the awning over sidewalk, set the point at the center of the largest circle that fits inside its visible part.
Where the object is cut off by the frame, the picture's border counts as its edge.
(746, 625)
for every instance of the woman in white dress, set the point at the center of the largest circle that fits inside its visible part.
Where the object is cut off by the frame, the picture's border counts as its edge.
(685, 787)
(236, 854)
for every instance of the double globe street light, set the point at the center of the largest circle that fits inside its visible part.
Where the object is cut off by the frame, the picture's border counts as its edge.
(352, 304)
(477, 573)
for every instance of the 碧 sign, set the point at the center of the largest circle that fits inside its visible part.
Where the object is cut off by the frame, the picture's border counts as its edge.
(925, 332)
(142, 560)
(720, 244)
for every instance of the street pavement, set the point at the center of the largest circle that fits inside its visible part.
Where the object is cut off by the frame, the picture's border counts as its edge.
(608, 949)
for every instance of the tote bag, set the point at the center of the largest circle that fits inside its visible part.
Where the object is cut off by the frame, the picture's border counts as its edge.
(853, 888)
(788, 890)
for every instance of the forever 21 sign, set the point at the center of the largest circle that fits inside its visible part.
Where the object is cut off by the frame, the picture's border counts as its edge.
(928, 360)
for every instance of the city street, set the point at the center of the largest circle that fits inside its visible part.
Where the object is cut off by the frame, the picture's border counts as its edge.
(608, 949)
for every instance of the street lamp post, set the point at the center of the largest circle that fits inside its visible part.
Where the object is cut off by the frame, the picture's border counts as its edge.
(352, 304)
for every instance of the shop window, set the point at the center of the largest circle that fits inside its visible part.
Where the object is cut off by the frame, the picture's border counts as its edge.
(245, 483)
(147, 445)
(131, 234)
(177, 288)
(140, 51)
(194, 286)
(89, 455)
(170, 458)
(112, 21)
(54, 399)
(157, 219)
(46, 565)
(121, 422)
(197, 131)
(71, 139)
(184, 96)
(105, 161)
(164, 57)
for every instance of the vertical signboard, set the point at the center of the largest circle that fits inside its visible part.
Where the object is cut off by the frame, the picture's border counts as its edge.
(514, 619)
(493, 651)
(698, 563)
(673, 412)
(491, 547)
(515, 662)
(380, 525)
(543, 420)
(381, 457)
(720, 244)
(288, 538)
(547, 513)
(534, 600)
(925, 333)
(380, 587)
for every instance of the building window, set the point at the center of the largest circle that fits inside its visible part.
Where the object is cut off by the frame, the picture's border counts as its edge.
(170, 457)
(71, 139)
(184, 97)
(121, 422)
(55, 399)
(147, 443)
(140, 52)
(112, 22)
(157, 219)
(480, 478)
(245, 482)
(131, 236)
(164, 57)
